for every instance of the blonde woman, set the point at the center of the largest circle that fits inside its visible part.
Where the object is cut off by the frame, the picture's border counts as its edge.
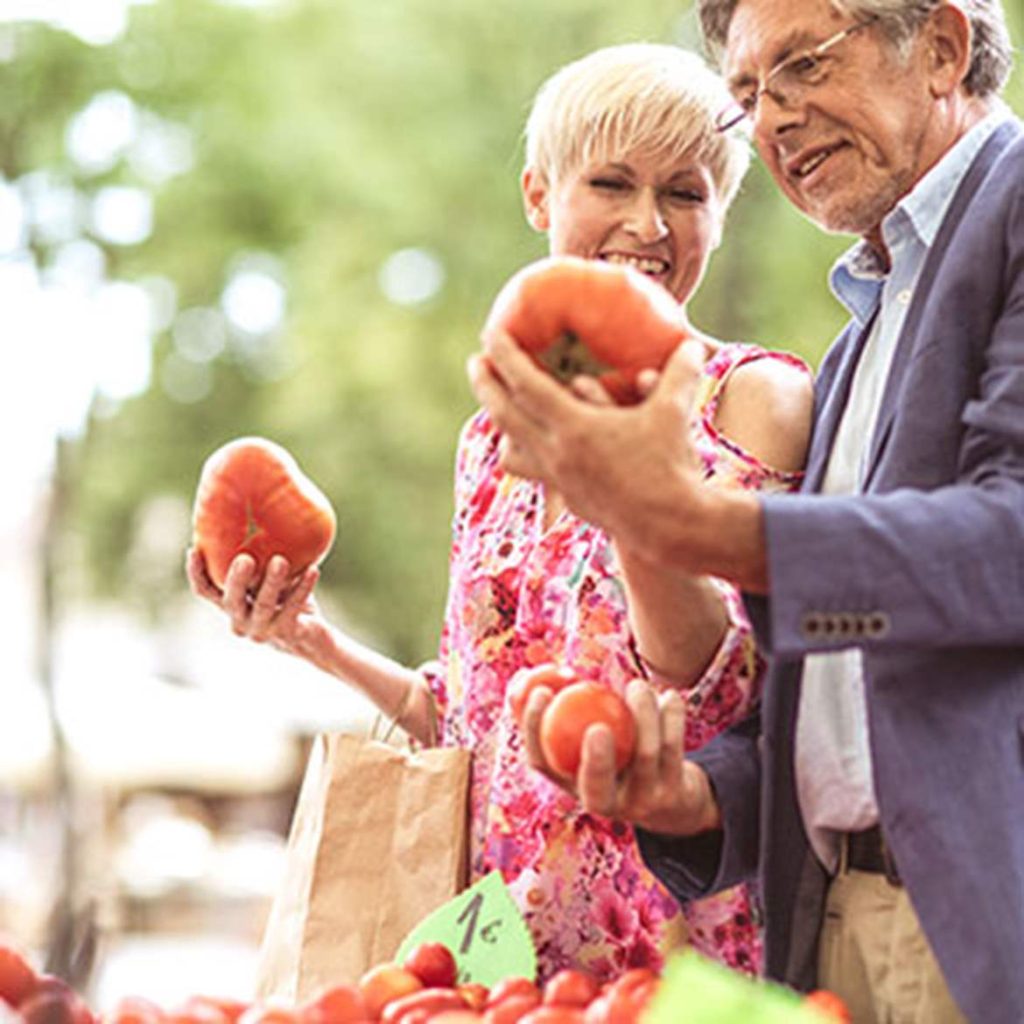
(623, 164)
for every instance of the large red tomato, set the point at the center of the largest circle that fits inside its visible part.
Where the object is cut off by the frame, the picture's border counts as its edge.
(569, 715)
(586, 316)
(253, 498)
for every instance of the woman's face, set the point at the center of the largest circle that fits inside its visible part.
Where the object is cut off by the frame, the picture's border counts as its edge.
(659, 215)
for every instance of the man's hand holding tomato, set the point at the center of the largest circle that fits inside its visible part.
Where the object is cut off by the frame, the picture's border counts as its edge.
(631, 470)
(659, 790)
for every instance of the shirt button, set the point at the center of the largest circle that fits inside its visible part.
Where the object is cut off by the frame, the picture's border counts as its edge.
(905, 296)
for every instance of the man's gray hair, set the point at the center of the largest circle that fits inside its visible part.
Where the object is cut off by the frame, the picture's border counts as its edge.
(991, 52)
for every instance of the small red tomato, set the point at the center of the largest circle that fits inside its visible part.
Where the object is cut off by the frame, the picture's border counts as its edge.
(54, 1001)
(17, 975)
(511, 1008)
(433, 963)
(430, 1000)
(574, 710)
(570, 987)
(596, 1011)
(208, 1010)
(267, 1013)
(232, 1009)
(252, 498)
(336, 1004)
(554, 1014)
(831, 1007)
(474, 994)
(384, 983)
(134, 1010)
(586, 316)
(513, 985)
(526, 680)
(626, 999)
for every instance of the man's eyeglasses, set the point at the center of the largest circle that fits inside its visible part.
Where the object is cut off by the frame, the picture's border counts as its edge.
(789, 81)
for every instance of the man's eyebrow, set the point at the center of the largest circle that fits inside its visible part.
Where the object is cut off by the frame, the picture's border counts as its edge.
(797, 41)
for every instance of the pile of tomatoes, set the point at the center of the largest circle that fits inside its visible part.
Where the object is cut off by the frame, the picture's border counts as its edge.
(423, 988)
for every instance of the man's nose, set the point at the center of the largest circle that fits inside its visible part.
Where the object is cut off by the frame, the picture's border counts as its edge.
(774, 113)
(646, 220)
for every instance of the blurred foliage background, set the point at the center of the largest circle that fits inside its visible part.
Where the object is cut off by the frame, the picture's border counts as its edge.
(317, 200)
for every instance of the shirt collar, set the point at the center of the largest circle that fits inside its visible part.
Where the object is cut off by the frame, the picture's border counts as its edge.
(857, 275)
(926, 204)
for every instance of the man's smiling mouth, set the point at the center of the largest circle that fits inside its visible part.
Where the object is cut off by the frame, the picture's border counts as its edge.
(810, 160)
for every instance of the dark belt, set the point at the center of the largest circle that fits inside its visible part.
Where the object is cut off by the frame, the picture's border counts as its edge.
(868, 851)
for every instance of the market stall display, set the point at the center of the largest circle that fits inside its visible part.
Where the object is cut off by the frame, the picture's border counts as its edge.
(423, 987)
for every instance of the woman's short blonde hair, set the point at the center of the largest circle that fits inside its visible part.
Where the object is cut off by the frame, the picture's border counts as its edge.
(652, 98)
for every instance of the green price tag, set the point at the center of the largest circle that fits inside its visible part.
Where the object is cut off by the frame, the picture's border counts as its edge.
(694, 990)
(484, 930)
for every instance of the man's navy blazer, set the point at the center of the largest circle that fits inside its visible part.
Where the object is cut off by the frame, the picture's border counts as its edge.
(925, 572)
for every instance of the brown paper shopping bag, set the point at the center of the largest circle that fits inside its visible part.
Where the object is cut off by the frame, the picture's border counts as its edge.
(378, 840)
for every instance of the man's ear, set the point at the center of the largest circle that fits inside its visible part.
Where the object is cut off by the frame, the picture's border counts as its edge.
(535, 199)
(948, 38)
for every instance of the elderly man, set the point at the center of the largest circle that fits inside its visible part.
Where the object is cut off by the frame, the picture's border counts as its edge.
(880, 793)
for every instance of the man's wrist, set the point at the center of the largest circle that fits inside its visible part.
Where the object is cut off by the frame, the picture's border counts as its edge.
(730, 537)
(701, 529)
(709, 816)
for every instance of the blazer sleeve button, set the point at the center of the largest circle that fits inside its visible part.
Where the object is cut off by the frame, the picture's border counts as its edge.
(878, 625)
(846, 625)
(811, 625)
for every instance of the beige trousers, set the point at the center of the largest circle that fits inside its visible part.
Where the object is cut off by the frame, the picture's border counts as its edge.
(874, 955)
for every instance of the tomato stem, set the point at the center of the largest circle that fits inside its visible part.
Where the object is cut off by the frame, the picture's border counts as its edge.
(568, 357)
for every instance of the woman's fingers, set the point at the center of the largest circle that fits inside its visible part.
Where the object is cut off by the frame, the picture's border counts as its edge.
(199, 579)
(236, 599)
(267, 602)
(301, 590)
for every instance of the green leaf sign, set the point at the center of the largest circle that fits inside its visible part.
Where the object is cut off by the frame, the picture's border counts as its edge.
(485, 931)
(694, 990)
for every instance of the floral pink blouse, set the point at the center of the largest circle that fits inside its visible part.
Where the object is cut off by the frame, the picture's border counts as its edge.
(521, 595)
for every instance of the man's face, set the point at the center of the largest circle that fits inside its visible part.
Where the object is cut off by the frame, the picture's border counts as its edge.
(852, 138)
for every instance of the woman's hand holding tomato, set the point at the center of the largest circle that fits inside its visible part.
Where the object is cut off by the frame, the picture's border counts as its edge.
(659, 790)
(280, 610)
(260, 527)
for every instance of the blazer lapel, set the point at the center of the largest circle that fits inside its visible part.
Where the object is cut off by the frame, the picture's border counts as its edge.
(909, 340)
